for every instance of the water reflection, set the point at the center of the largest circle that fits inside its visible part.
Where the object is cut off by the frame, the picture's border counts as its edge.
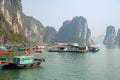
(23, 74)
(110, 46)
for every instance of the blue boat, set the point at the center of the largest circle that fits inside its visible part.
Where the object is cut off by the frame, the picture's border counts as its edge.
(3, 62)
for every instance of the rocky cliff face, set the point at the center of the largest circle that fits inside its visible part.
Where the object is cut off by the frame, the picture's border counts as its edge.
(50, 34)
(33, 29)
(12, 12)
(13, 19)
(110, 37)
(75, 31)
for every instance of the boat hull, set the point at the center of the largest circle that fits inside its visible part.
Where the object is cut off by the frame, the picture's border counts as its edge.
(2, 67)
(94, 49)
(76, 51)
(35, 64)
(22, 66)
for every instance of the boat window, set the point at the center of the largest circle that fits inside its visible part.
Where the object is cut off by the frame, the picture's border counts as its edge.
(17, 59)
(25, 59)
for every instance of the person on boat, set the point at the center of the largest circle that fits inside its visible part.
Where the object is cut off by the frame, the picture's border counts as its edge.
(26, 51)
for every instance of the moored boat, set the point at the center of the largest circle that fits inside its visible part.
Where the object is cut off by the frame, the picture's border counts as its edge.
(74, 49)
(3, 62)
(24, 62)
(4, 52)
(38, 51)
(22, 48)
(21, 62)
(69, 48)
(94, 49)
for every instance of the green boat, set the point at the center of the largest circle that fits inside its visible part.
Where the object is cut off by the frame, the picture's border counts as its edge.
(21, 62)
(94, 49)
(21, 48)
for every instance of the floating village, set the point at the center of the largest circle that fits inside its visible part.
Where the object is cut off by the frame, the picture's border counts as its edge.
(28, 60)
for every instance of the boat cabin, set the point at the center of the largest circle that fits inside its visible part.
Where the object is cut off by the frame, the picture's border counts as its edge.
(23, 59)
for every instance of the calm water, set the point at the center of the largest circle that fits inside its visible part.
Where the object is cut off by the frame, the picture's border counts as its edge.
(103, 65)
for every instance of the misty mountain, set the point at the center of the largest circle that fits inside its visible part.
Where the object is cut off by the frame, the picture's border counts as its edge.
(50, 34)
(110, 37)
(75, 31)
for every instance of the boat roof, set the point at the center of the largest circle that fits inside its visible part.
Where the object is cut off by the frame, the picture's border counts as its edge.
(23, 56)
(3, 47)
(62, 47)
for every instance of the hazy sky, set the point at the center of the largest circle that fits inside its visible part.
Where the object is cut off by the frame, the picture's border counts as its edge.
(99, 13)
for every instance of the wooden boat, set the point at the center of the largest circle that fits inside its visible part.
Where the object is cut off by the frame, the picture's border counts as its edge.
(58, 49)
(21, 62)
(38, 51)
(3, 62)
(72, 49)
(21, 48)
(25, 62)
(4, 52)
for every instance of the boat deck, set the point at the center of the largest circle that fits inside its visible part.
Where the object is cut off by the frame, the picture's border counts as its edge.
(73, 51)
(10, 65)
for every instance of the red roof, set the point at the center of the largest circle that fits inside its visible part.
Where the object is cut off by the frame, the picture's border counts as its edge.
(4, 52)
